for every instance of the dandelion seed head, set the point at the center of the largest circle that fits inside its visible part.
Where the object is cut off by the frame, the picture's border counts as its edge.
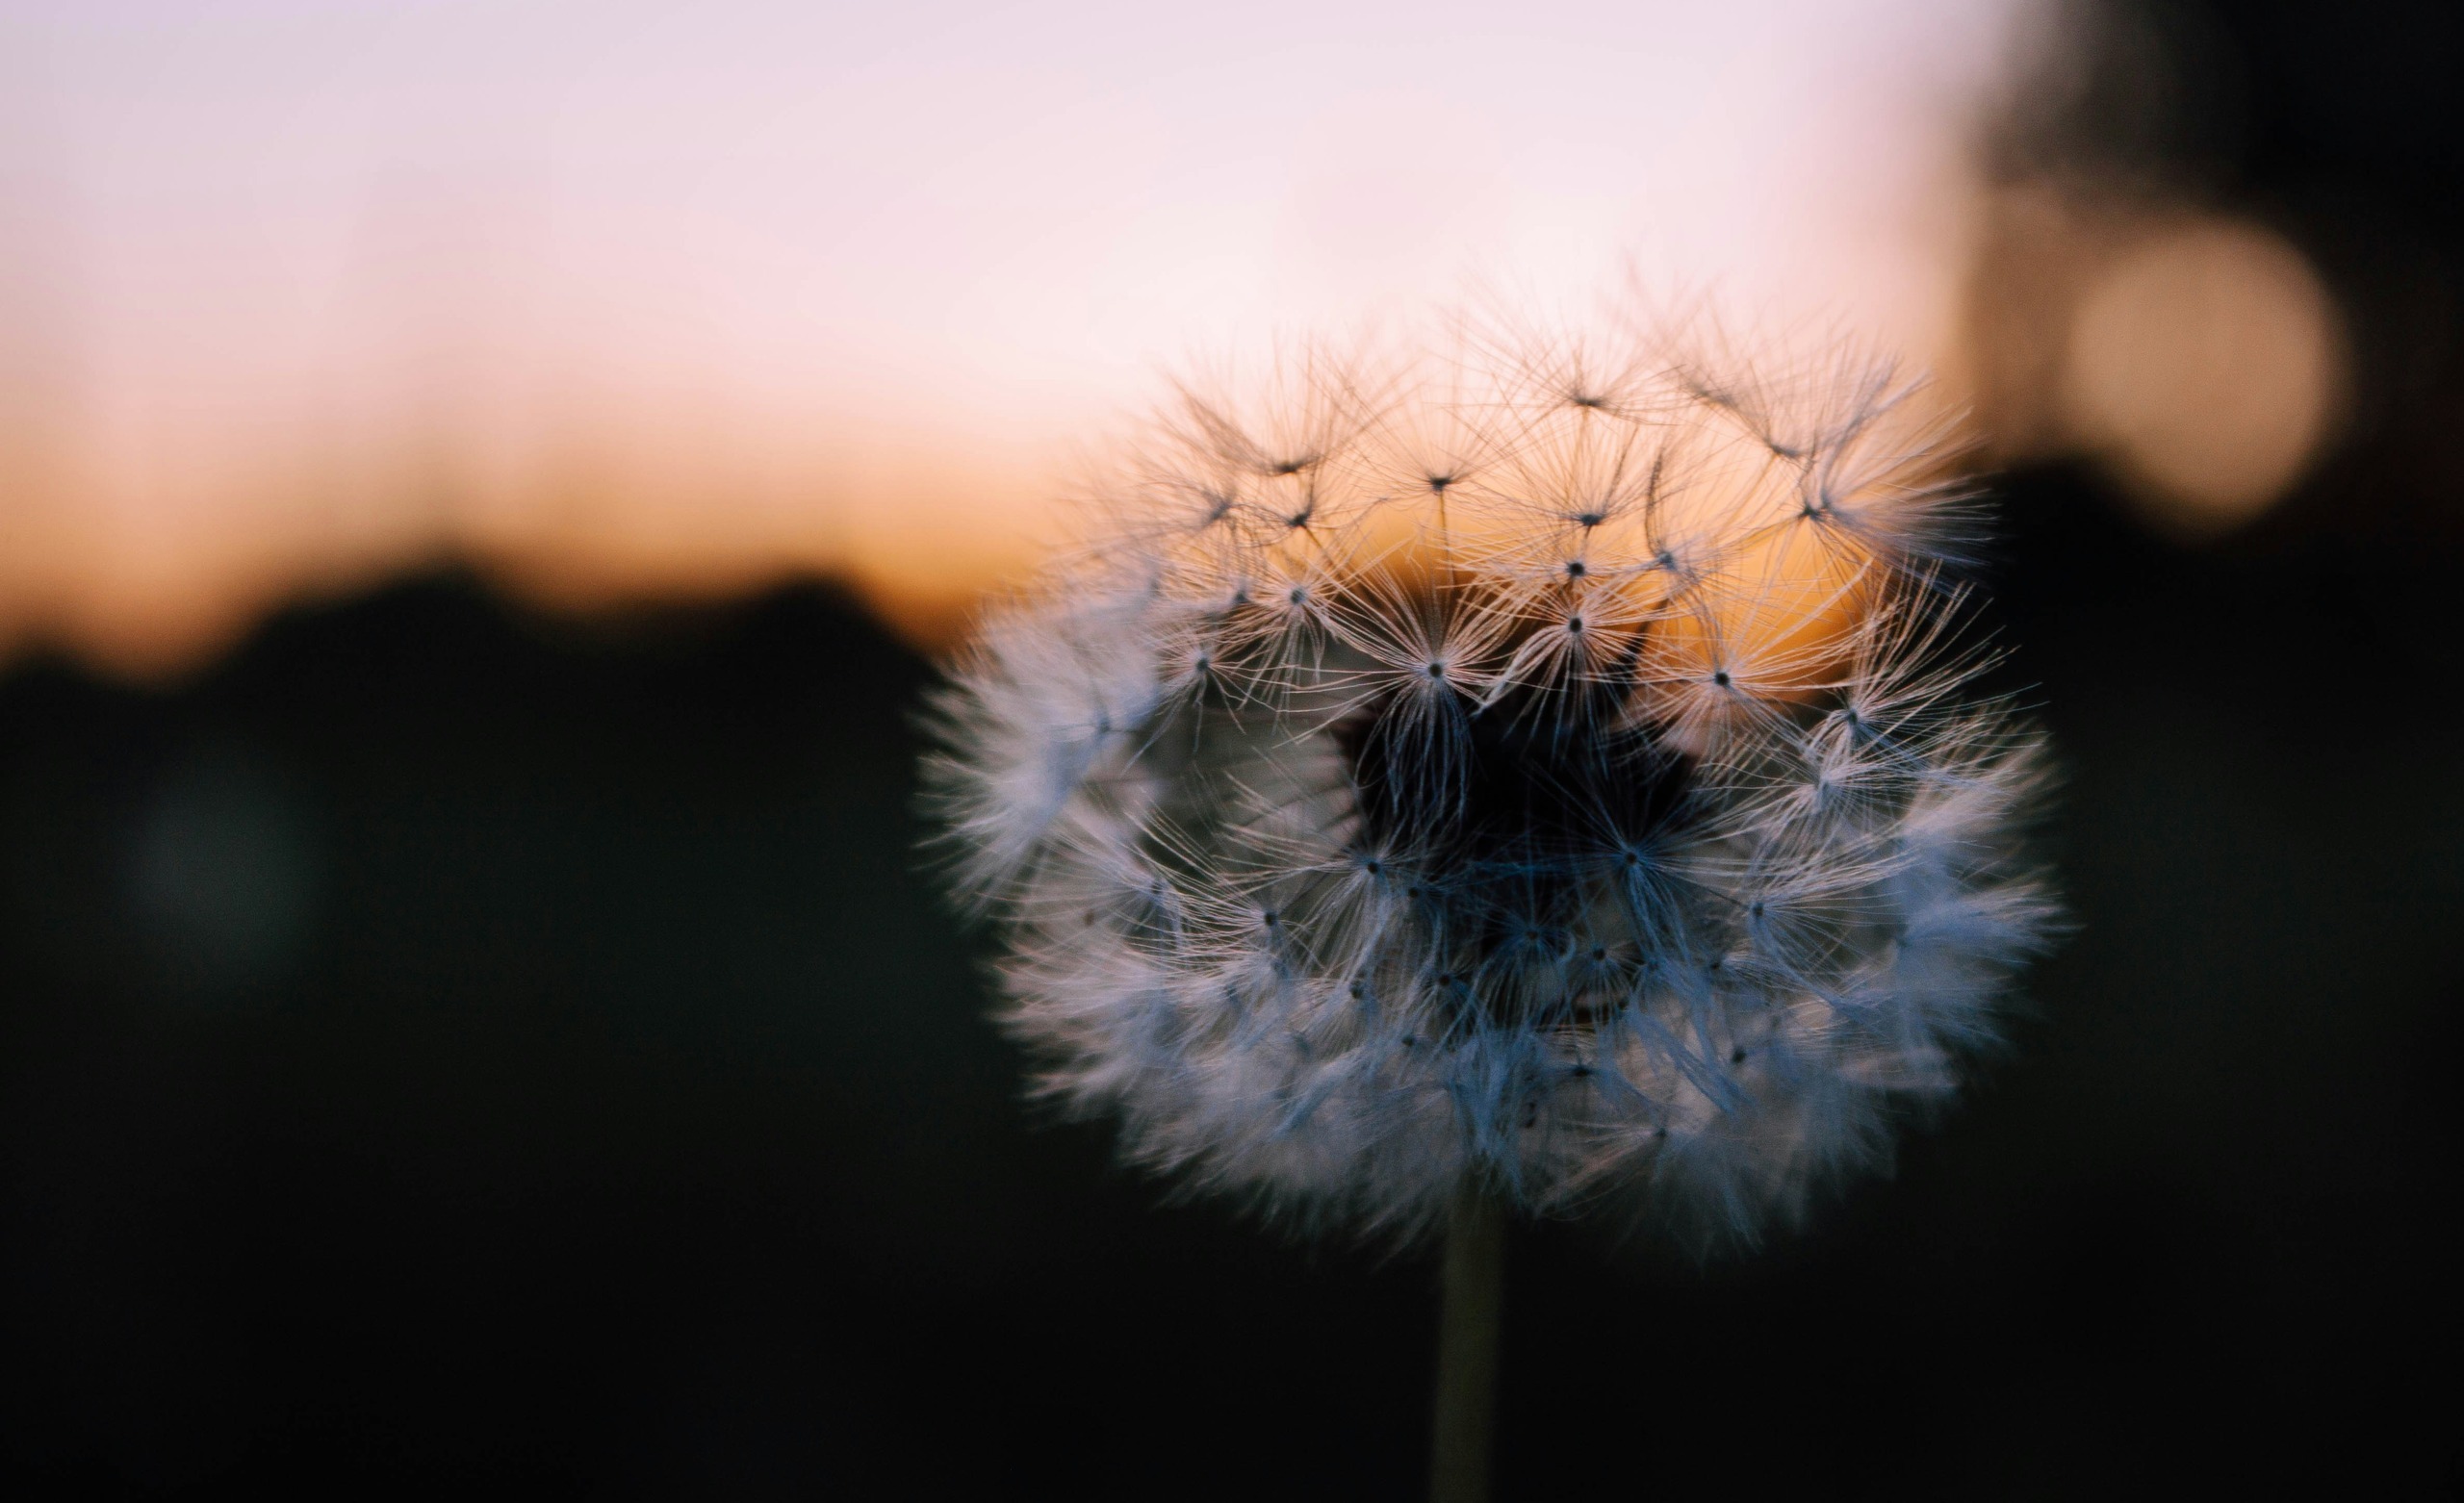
(1558, 771)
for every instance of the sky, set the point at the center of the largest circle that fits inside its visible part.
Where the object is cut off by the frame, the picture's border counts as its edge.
(622, 300)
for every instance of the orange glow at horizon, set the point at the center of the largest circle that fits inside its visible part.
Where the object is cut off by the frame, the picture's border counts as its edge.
(619, 304)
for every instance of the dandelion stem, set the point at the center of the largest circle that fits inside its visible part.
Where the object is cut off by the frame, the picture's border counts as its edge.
(1469, 1323)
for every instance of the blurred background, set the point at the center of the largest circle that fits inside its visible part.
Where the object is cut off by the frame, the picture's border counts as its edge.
(480, 487)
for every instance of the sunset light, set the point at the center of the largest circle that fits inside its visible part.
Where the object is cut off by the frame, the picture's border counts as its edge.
(621, 301)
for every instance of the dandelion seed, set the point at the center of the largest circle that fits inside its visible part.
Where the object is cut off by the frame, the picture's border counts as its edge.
(1415, 685)
(1547, 784)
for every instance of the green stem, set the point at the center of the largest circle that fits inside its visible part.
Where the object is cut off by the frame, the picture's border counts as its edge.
(1468, 1330)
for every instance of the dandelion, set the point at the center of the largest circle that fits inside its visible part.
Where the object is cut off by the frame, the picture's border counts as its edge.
(1545, 781)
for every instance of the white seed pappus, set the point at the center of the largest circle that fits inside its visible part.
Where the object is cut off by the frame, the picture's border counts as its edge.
(1555, 766)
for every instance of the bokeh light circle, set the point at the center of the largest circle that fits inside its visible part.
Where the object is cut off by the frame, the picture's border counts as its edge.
(2206, 363)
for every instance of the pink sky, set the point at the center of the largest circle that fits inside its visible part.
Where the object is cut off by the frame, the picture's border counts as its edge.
(622, 298)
